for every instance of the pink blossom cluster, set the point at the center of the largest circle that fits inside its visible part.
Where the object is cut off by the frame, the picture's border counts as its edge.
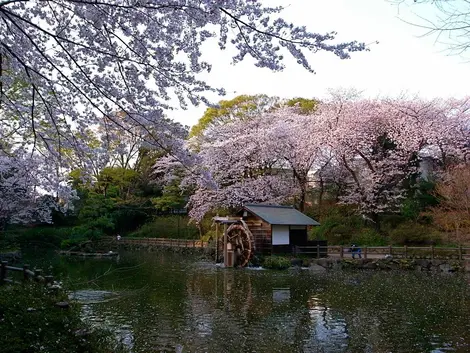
(374, 147)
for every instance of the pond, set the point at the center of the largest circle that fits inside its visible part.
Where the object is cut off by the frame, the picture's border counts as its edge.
(164, 302)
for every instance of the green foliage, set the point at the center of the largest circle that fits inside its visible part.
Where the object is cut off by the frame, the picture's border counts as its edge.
(276, 262)
(31, 322)
(391, 221)
(72, 242)
(172, 198)
(421, 198)
(117, 182)
(411, 233)
(338, 226)
(174, 227)
(44, 236)
(238, 108)
(95, 215)
(369, 237)
(307, 106)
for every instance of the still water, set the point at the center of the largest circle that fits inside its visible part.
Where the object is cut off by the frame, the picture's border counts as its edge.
(162, 302)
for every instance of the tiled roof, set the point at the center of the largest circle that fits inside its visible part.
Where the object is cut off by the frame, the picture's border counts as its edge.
(280, 215)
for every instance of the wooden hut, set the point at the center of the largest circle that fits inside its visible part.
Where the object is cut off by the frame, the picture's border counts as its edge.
(277, 229)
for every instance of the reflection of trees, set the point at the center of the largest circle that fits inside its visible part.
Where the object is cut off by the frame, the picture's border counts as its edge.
(169, 301)
(236, 308)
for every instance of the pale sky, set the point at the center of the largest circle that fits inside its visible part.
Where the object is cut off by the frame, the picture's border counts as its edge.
(403, 61)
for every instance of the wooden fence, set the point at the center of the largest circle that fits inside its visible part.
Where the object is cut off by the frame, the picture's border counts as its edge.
(26, 274)
(427, 252)
(178, 243)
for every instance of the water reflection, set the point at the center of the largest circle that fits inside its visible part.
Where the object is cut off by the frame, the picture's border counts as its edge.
(171, 303)
(328, 329)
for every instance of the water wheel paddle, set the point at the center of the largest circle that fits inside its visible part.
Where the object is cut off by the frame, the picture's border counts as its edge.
(243, 242)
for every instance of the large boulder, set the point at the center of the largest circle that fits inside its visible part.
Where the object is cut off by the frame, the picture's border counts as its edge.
(314, 268)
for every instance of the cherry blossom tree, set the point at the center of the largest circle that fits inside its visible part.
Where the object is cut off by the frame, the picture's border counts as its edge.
(25, 182)
(237, 164)
(298, 141)
(264, 159)
(80, 60)
(374, 146)
(380, 143)
(66, 64)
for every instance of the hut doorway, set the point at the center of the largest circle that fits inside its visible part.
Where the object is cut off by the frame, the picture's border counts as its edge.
(298, 236)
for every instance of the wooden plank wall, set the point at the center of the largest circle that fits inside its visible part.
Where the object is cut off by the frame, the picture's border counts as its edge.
(261, 232)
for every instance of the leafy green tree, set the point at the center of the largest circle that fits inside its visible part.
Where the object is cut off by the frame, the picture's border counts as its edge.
(171, 198)
(307, 106)
(117, 182)
(95, 216)
(239, 108)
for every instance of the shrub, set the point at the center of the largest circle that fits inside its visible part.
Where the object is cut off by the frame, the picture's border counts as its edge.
(276, 262)
(391, 221)
(369, 237)
(73, 242)
(338, 226)
(174, 227)
(46, 236)
(411, 233)
(333, 231)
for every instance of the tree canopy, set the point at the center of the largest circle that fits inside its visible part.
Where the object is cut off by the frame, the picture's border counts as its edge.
(65, 65)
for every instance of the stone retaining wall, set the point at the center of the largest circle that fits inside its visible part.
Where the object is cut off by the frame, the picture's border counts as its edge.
(390, 264)
(156, 247)
(11, 256)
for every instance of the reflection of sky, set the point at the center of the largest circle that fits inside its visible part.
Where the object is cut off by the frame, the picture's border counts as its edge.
(328, 330)
(281, 295)
(201, 318)
(123, 333)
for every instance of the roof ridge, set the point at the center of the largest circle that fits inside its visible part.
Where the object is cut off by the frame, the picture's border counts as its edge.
(264, 205)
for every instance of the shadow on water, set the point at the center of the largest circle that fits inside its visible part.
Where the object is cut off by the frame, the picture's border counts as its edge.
(162, 302)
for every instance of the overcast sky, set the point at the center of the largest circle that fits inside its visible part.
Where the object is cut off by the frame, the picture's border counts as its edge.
(402, 61)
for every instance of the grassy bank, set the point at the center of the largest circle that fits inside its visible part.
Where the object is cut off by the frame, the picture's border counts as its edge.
(31, 321)
(49, 236)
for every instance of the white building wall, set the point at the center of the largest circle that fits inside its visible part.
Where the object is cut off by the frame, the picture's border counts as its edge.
(280, 235)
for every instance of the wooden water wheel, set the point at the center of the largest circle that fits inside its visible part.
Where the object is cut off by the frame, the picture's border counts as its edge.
(243, 242)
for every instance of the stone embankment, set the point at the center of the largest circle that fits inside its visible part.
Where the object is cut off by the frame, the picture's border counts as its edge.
(445, 266)
(11, 256)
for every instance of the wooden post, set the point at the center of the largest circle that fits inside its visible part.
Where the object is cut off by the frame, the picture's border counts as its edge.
(390, 250)
(37, 274)
(216, 240)
(432, 252)
(406, 248)
(460, 252)
(25, 272)
(225, 243)
(365, 252)
(3, 271)
(318, 251)
(341, 252)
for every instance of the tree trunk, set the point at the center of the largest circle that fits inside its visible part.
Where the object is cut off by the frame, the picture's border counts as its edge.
(320, 196)
(376, 224)
(302, 200)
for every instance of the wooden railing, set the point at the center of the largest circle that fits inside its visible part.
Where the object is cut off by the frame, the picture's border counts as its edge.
(179, 243)
(430, 252)
(27, 274)
(426, 252)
